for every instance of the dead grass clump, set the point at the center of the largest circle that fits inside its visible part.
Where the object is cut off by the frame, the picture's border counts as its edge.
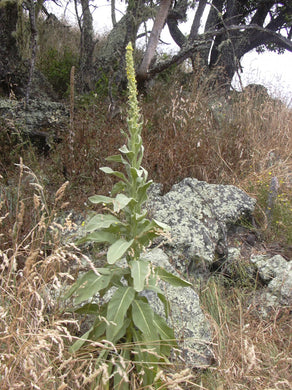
(93, 141)
(177, 126)
(33, 335)
(251, 352)
(192, 131)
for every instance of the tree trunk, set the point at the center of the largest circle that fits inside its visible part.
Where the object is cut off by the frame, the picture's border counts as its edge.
(86, 48)
(179, 12)
(13, 73)
(197, 19)
(111, 56)
(154, 37)
(33, 46)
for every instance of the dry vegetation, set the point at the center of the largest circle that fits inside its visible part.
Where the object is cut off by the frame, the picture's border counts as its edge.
(244, 140)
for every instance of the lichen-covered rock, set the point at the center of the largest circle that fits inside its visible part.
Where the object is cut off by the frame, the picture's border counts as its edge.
(42, 120)
(199, 215)
(39, 114)
(277, 273)
(192, 330)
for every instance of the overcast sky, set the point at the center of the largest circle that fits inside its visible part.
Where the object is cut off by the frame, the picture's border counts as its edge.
(270, 69)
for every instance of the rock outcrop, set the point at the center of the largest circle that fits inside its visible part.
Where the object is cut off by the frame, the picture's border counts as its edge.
(276, 273)
(192, 330)
(42, 121)
(199, 215)
(204, 222)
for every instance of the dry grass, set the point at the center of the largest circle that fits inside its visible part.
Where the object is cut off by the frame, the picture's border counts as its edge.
(187, 132)
(36, 332)
(190, 131)
(251, 352)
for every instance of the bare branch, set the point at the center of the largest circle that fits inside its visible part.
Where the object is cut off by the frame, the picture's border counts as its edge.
(197, 19)
(204, 40)
(113, 12)
(154, 38)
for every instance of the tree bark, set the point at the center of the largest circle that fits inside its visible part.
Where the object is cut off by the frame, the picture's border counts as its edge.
(111, 57)
(33, 46)
(179, 12)
(113, 12)
(86, 48)
(13, 73)
(204, 40)
(197, 19)
(154, 37)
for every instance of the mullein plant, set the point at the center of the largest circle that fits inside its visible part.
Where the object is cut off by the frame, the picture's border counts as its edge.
(127, 321)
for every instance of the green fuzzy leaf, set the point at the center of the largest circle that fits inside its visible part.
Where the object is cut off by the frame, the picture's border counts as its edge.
(124, 149)
(101, 221)
(139, 161)
(165, 303)
(105, 271)
(172, 279)
(98, 236)
(166, 334)
(143, 316)
(87, 286)
(152, 286)
(115, 173)
(117, 158)
(140, 217)
(99, 327)
(118, 187)
(120, 202)
(96, 331)
(79, 282)
(117, 309)
(122, 331)
(136, 172)
(144, 226)
(100, 199)
(88, 308)
(139, 270)
(147, 230)
(79, 343)
(144, 360)
(142, 191)
(91, 286)
(161, 225)
(117, 250)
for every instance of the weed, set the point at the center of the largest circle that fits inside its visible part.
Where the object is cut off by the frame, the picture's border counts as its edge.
(138, 340)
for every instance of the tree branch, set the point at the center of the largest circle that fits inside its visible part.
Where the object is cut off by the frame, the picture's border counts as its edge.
(197, 19)
(154, 38)
(113, 12)
(204, 40)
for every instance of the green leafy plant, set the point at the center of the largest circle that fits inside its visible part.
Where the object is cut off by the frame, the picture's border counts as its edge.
(126, 319)
(277, 213)
(56, 66)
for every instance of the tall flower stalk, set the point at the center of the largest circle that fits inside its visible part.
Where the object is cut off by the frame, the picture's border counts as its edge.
(127, 317)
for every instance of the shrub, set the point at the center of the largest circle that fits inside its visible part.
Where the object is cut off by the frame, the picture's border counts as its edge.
(56, 66)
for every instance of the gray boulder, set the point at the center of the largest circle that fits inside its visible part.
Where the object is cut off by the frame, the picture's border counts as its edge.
(42, 121)
(199, 215)
(191, 328)
(277, 273)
